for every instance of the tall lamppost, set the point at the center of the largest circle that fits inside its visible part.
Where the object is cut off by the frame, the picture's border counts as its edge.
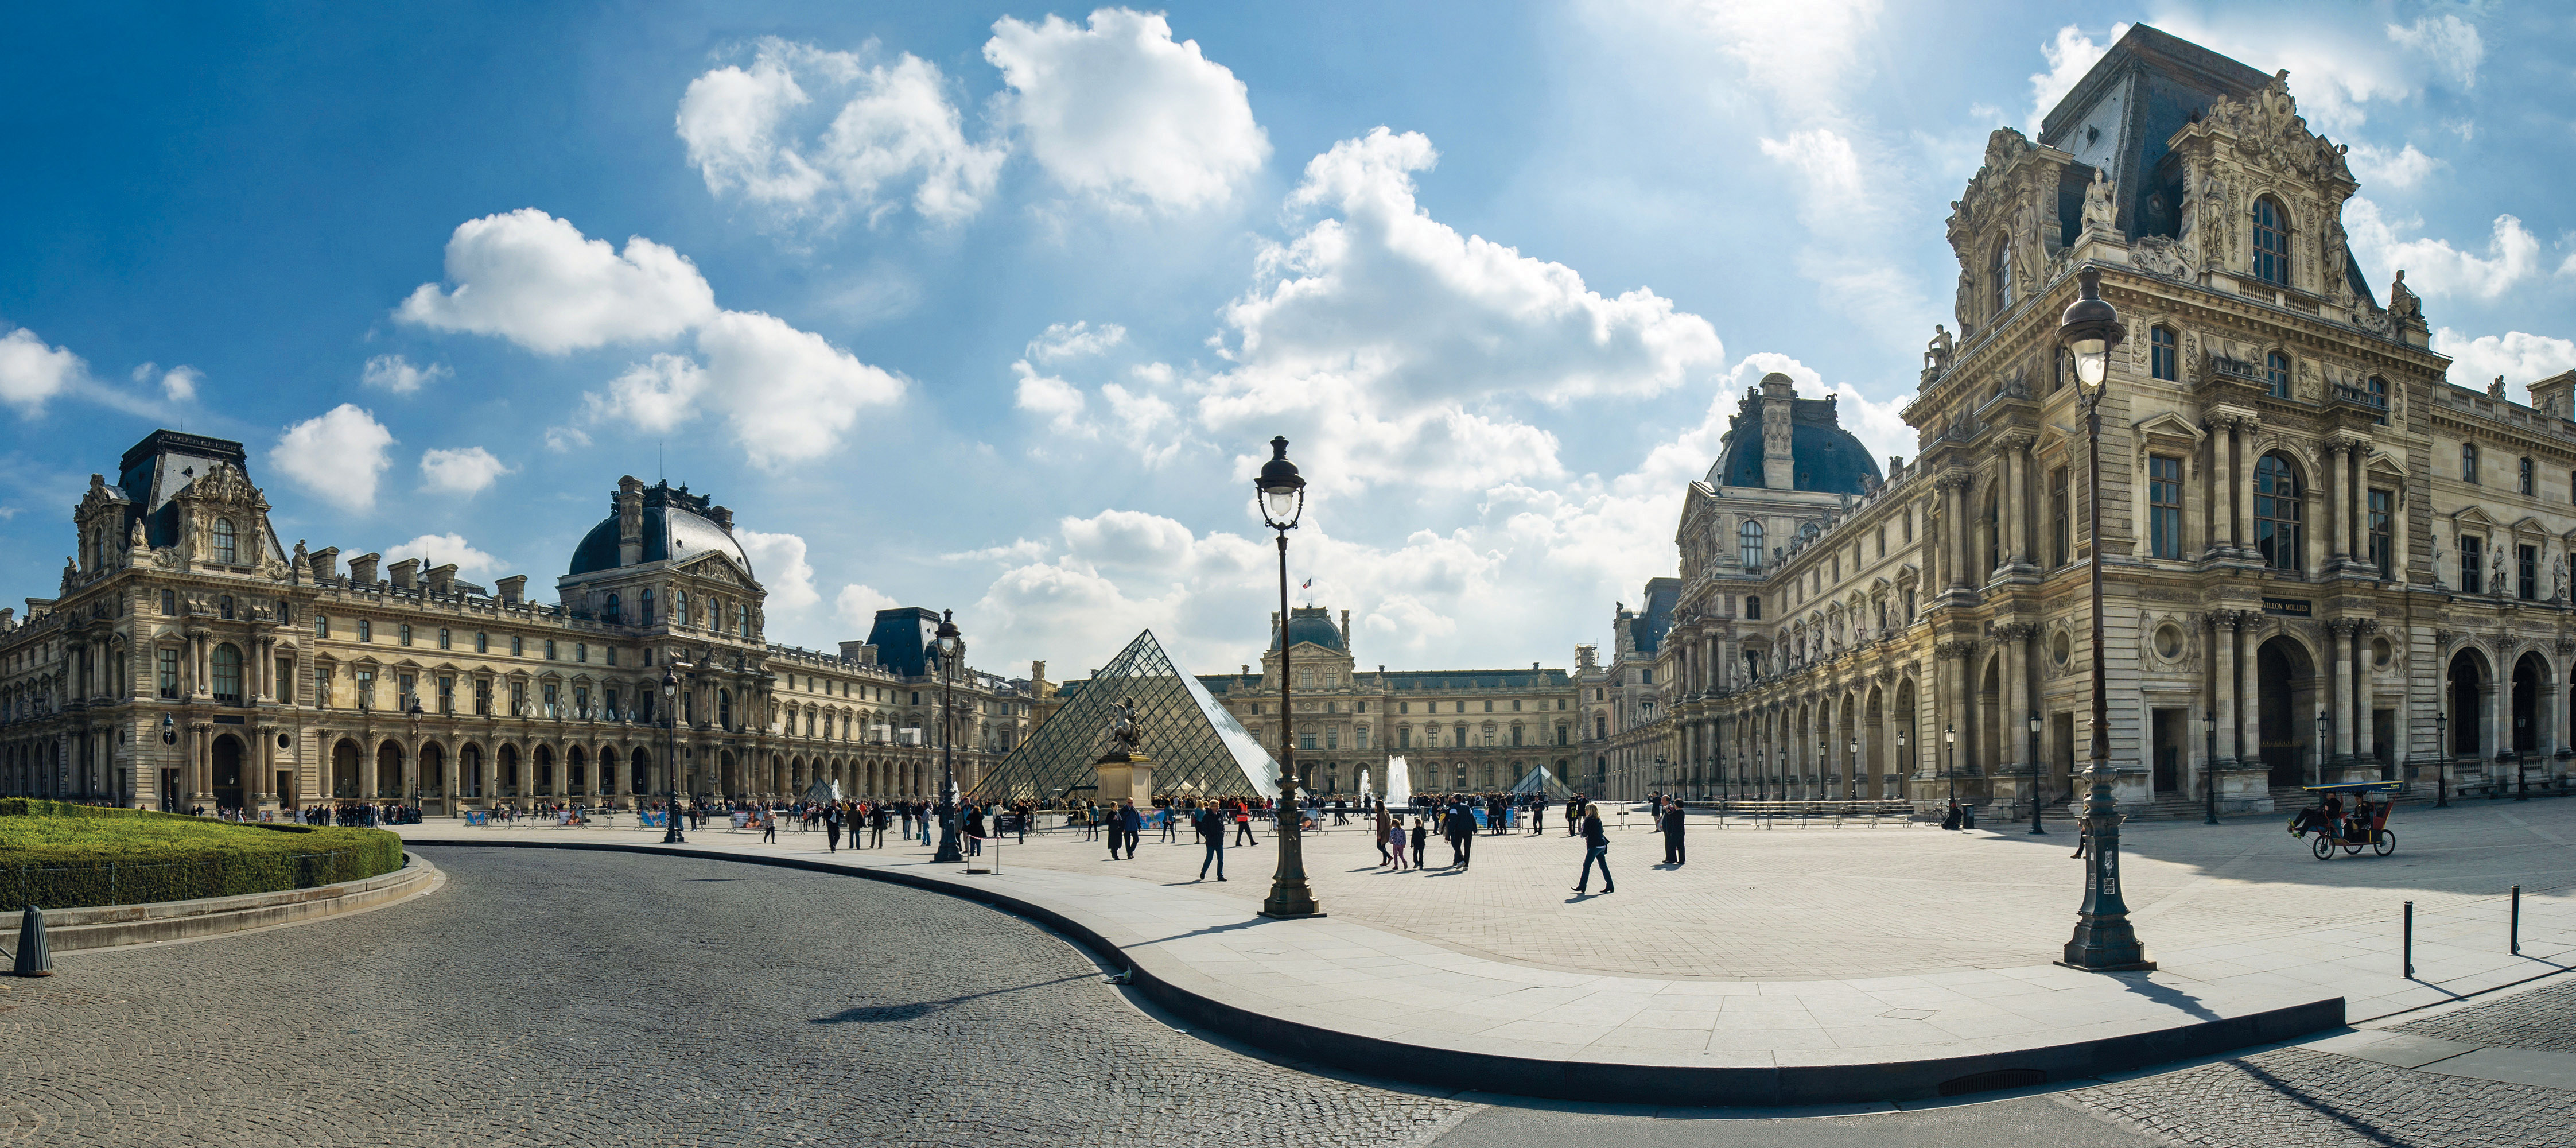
(947, 645)
(1851, 771)
(1282, 495)
(169, 739)
(2034, 775)
(1900, 751)
(1950, 763)
(2322, 727)
(2208, 769)
(2103, 940)
(2441, 759)
(671, 759)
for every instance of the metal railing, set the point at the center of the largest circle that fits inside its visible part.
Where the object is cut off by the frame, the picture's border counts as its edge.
(1835, 813)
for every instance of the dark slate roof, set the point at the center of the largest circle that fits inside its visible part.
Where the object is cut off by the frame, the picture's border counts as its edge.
(1829, 459)
(1648, 627)
(1422, 681)
(162, 465)
(675, 526)
(1311, 624)
(903, 636)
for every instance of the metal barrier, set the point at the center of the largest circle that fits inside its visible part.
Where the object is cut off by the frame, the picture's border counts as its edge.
(1839, 813)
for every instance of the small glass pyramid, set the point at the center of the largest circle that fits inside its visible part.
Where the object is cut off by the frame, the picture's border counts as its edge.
(1197, 749)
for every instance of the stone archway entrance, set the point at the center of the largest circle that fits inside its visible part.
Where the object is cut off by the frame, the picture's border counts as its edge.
(344, 769)
(2286, 679)
(228, 772)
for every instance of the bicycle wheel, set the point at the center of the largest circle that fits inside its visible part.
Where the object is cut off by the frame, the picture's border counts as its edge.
(2385, 843)
(2324, 847)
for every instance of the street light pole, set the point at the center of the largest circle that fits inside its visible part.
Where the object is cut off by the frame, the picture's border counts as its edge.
(2441, 759)
(671, 759)
(2104, 940)
(1950, 769)
(2208, 770)
(2322, 727)
(1281, 493)
(2034, 775)
(947, 644)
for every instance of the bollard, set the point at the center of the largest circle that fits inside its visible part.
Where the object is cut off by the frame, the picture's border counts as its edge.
(35, 957)
(2513, 931)
(2408, 959)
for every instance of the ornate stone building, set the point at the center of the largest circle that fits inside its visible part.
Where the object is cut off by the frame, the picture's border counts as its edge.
(284, 678)
(2321, 558)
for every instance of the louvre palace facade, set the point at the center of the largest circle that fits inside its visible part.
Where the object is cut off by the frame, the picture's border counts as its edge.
(2322, 559)
(288, 677)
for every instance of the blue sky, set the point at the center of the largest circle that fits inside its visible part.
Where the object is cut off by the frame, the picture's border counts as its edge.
(993, 307)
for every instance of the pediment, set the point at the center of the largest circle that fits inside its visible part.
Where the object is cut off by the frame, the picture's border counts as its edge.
(2168, 423)
(2471, 516)
(2530, 525)
(719, 568)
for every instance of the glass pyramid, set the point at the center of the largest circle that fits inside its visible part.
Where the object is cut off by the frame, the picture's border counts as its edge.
(1196, 747)
(1539, 781)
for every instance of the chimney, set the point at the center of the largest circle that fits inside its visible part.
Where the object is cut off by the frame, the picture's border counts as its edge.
(326, 563)
(405, 573)
(514, 589)
(629, 507)
(860, 652)
(1346, 629)
(442, 579)
(1779, 410)
(2550, 396)
(1533, 665)
(362, 569)
(8, 617)
(1247, 670)
(723, 517)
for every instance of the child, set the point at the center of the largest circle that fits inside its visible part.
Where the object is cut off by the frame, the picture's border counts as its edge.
(1395, 844)
(1421, 836)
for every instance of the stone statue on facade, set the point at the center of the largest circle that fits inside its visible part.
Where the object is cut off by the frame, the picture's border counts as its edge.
(2100, 215)
(2403, 304)
(2495, 390)
(2495, 573)
(1126, 731)
(2558, 579)
(1936, 354)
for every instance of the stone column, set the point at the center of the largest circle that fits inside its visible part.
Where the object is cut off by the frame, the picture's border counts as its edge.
(2222, 485)
(2347, 670)
(2339, 501)
(201, 763)
(2010, 508)
(2015, 644)
(2222, 684)
(2241, 477)
(2249, 698)
(1957, 526)
(2365, 732)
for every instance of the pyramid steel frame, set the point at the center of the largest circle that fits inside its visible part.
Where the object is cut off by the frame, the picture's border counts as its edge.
(1196, 747)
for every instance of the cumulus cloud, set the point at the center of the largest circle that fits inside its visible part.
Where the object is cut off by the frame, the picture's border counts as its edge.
(1387, 339)
(441, 549)
(1059, 402)
(2404, 169)
(178, 384)
(468, 470)
(397, 374)
(882, 130)
(2069, 56)
(1120, 112)
(788, 395)
(856, 606)
(533, 279)
(2520, 358)
(336, 456)
(1074, 340)
(778, 560)
(2433, 266)
(1802, 55)
(32, 373)
(656, 396)
(2450, 43)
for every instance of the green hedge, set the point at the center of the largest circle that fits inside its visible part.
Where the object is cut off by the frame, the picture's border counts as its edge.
(63, 856)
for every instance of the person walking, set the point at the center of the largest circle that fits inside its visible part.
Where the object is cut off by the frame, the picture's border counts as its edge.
(877, 819)
(1673, 834)
(769, 827)
(832, 830)
(1596, 851)
(1538, 814)
(1421, 837)
(1210, 827)
(1461, 830)
(1243, 824)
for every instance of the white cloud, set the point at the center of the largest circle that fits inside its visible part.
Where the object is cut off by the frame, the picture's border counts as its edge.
(2450, 43)
(1059, 402)
(656, 396)
(1074, 340)
(856, 606)
(533, 279)
(2433, 266)
(2521, 358)
(441, 549)
(2403, 170)
(180, 384)
(468, 470)
(787, 394)
(778, 560)
(336, 456)
(2069, 56)
(1803, 55)
(1120, 112)
(31, 373)
(884, 127)
(397, 374)
(1388, 343)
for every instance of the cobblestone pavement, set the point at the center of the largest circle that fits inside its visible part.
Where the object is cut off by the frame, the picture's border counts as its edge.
(2543, 1018)
(1886, 901)
(2297, 1097)
(579, 998)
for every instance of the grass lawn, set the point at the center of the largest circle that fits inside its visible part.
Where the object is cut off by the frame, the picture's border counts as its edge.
(69, 856)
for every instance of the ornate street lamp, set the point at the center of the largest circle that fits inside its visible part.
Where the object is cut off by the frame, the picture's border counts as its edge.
(1282, 495)
(2442, 759)
(1900, 752)
(948, 645)
(1853, 770)
(671, 760)
(2209, 770)
(1950, 763)
(169, 739)
(2103, 940)
(2322, 727)
(2034, 775)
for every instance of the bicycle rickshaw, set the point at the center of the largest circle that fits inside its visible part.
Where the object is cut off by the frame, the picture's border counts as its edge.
(2362, 826)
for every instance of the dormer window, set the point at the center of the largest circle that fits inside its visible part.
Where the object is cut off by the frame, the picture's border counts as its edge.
(2271, 242)
(227, 548)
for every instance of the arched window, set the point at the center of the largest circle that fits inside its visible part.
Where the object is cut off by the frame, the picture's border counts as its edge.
(2271, 242)
(1751, 536)
(1999, 274)
(227, 549)
(2276, 373)
(2277, 512)
(2468, 462)
(228, 675)
(2164, 355)
(680, 606)
(613, 619)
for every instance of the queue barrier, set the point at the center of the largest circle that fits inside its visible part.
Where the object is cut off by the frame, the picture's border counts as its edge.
(1835, 813)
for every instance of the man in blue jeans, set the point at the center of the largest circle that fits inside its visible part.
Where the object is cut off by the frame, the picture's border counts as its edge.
(1596, 851)
(1210, 825)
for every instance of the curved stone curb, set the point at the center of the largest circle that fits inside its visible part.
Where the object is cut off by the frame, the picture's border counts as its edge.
(1201, 999)
(108, 926)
